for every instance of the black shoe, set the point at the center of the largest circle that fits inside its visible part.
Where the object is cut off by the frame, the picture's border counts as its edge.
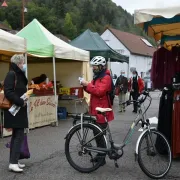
(134, 111)
(103, 163)
(96, 159)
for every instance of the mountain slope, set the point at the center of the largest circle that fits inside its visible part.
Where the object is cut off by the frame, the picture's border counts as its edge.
(71, 17)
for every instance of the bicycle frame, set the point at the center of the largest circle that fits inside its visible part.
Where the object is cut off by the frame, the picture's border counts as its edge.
(125, 141)
(139, 117)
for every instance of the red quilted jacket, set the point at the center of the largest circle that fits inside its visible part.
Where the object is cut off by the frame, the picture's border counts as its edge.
(99, 97)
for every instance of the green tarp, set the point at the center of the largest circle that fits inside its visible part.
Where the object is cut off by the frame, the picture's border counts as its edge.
(93, 42)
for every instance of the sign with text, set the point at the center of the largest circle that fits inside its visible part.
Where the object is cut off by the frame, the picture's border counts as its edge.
(42, 111)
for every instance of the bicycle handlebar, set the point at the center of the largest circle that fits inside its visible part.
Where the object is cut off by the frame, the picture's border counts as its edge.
(146, 93)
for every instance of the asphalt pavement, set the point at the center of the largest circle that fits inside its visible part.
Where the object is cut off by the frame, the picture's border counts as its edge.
(48, 161)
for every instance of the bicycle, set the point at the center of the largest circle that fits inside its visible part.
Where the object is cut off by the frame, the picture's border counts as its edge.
(85, 147)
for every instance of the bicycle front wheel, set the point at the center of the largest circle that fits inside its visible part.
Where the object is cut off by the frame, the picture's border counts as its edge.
(154, 154)
(78, 157)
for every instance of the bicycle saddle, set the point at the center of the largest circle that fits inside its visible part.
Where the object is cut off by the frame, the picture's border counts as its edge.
(103, 109)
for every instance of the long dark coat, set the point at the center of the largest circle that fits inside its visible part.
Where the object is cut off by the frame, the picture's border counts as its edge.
(14, 87)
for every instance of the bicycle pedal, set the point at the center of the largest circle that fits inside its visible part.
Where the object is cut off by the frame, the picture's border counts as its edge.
(116, 164)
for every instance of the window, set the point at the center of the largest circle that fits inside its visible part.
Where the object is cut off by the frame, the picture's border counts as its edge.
(120, 51)
(146, 42)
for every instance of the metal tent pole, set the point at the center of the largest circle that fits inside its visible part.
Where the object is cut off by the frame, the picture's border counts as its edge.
(55, 90)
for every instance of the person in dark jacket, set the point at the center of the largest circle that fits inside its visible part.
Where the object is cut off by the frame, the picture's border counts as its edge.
(40, 79)
(122, 84)
(136, 86)
(14, 87)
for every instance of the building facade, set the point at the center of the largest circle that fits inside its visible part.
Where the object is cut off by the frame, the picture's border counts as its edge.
(138, 49)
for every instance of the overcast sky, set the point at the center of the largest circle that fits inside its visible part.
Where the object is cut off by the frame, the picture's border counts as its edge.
(131, 5)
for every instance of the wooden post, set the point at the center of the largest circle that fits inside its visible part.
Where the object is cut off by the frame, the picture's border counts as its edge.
(22, 13)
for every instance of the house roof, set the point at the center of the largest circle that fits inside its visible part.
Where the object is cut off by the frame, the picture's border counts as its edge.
(62, 37)
(4, 27)
(133, 43)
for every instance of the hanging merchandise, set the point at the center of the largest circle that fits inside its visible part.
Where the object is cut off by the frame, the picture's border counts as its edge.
(165, 113)
(165, 67)
(176, 125)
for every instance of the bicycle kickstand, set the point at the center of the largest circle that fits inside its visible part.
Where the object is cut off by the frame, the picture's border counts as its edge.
(116, 164)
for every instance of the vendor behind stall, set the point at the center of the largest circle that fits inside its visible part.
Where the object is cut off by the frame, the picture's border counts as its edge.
(39, 80)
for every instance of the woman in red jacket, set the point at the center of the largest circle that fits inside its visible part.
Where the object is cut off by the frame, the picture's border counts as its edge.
(98, 89)
(136, 86)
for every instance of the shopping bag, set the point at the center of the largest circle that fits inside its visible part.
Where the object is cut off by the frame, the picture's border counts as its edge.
(25, 154)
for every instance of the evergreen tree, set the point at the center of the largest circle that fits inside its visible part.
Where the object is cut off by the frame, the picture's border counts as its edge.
(69, 28)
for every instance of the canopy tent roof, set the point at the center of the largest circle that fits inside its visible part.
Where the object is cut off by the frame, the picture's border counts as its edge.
(97, 46)
(42, 43)
(11, 44)
(161, 24)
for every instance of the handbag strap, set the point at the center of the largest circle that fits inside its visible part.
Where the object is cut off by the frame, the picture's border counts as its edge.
(15, 82)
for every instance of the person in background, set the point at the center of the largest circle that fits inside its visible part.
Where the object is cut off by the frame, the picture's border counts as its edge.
(40, 79)
(14, 87)
(122, 84)
(136, 86)
(98, 89)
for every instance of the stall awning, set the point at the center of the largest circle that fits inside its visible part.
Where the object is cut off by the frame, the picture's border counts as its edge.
(42, 43)
(97, 46)
(159, 22)
(11, 44)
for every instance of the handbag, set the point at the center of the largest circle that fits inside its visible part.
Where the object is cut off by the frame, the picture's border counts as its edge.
(24, 154)
(4, 103)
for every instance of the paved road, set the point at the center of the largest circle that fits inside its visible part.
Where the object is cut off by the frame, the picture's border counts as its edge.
(48, 161)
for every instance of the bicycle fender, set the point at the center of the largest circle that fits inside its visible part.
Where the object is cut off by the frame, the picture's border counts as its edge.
(92, 125)
(137, 143)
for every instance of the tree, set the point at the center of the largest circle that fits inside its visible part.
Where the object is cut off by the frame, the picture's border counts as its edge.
(70, 29)
(83, 14)
(7, 23)
(60, 8)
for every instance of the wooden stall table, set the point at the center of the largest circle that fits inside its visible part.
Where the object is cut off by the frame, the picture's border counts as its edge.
(42, 111)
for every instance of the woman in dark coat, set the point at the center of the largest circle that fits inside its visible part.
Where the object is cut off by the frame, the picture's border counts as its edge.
(14, 87)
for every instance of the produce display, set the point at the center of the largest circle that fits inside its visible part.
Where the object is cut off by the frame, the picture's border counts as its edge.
(42, 89)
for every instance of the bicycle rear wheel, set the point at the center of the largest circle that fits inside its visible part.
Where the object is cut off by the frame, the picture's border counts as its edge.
(154, 154)
(85, 161)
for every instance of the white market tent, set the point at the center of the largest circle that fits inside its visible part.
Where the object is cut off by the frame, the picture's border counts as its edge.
(145, 15)
(11, 44)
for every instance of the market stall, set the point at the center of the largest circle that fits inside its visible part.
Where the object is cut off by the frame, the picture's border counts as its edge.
(164, 26)
(62, 64)
(9, 45)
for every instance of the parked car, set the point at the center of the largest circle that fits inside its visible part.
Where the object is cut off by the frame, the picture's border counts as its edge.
(148, 83)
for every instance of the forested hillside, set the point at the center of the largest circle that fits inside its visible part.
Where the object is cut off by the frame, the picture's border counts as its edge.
(70, 17)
